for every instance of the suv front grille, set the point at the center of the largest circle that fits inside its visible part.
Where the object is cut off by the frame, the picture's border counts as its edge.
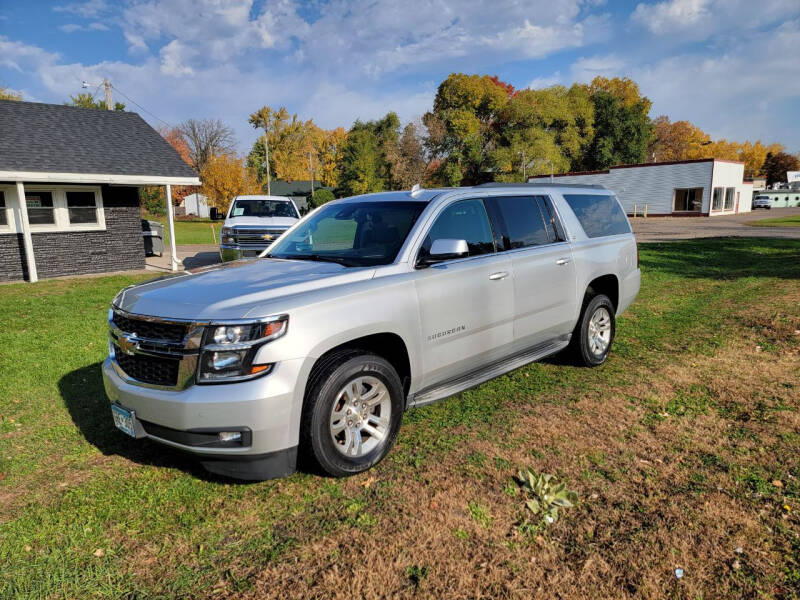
(148, 369)
(151, 330)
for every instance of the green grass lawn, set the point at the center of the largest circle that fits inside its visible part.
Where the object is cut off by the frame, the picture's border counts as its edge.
(793, 221)
(683, 447)
(192, 232)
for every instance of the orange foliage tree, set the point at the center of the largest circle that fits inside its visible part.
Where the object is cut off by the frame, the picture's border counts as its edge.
(225, 176)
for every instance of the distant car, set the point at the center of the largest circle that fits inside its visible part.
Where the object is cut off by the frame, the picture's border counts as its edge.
(762, 202)
(253, 223)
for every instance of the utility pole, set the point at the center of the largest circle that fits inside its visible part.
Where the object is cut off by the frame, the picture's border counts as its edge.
(107, 85)
(311, 170)
(266, 159)
(524, 165)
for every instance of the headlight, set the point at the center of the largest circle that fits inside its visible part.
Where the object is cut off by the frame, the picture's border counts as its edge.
(230, 348)
(227, 235)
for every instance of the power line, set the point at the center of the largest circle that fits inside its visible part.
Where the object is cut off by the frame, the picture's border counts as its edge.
(129, 99)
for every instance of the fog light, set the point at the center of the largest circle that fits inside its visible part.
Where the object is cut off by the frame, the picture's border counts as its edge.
(230, 436)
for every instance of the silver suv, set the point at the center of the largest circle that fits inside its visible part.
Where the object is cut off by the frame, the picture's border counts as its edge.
(366, 307)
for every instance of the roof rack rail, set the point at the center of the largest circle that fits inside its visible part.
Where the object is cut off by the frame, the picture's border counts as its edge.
(501, 184)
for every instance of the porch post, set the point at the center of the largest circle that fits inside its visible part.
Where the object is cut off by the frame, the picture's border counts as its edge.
(33, 276)
(171, 221)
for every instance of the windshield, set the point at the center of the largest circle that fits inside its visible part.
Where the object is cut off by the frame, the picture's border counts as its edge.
(355, 234)
(263, 208)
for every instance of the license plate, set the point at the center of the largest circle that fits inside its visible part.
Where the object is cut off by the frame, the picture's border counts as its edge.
(123, 419)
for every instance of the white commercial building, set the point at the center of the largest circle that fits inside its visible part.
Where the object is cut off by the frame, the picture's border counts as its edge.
(703, 187)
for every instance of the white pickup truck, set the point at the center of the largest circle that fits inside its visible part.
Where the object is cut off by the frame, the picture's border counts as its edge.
(253, 223)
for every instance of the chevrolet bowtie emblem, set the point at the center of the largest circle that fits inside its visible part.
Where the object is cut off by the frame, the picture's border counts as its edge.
(127, 343)
(267, 236)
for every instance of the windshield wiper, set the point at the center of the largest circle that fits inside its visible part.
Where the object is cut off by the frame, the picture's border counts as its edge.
(317, 258)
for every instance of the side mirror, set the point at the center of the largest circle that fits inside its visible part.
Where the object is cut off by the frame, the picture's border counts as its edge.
(445, 249)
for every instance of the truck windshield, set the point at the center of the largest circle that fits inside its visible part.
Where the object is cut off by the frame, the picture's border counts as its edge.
(358, 234)
(263, 208)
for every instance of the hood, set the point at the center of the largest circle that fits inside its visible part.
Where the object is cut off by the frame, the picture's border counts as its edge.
(260, 221)
(233, 290)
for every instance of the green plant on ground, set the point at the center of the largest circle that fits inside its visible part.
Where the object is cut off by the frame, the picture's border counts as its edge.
(545, 495)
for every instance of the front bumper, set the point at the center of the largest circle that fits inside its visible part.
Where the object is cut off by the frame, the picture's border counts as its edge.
(228, 253)
(269, 407)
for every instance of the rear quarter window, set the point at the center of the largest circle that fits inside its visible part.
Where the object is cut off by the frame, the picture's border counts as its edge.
(599, 215)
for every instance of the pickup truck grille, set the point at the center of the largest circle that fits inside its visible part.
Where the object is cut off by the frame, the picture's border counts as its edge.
(256, 237)
(148, 369)
(153, 330)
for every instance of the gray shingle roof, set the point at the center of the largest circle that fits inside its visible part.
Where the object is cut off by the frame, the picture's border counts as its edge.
(53, 138)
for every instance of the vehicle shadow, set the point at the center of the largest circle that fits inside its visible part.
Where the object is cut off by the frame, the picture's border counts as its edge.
(85, 398)
(201, 259)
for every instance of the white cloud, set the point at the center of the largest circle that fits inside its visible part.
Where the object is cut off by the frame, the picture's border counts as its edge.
(587, 68)
(73, 27)
(88, 9)
(703, 18)
(546, 81)
(739, 93)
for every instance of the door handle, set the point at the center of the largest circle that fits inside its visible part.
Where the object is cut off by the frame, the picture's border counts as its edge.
(562, 261)
(498, 275)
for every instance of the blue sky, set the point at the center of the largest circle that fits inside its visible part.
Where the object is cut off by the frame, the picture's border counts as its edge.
(729, 66)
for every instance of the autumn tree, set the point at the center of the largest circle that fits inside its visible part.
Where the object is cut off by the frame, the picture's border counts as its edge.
(225, 176)
(329, 152)
(406, 159)
(679, 140)
(88, 100)
(776, 165)
(206, 138)
(7, 94)
(291, 140)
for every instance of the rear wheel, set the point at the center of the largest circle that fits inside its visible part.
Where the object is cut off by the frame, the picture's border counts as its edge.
(352, 413)
(594, 333)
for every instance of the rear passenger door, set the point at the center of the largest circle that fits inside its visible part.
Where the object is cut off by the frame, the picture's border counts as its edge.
(529, 232)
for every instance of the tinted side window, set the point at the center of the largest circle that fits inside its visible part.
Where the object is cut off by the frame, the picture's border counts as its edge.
(599, 215)
(464, 220)
(520, 221)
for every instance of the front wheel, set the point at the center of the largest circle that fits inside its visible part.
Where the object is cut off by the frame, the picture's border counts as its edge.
(352, 413)
(594, 333)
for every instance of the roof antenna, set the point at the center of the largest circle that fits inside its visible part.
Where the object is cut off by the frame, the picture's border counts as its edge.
(416, 190)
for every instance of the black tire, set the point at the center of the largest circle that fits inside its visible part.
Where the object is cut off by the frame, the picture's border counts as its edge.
(580, 346)
(317, 445)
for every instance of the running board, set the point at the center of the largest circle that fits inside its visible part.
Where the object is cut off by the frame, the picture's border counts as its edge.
(495, 369)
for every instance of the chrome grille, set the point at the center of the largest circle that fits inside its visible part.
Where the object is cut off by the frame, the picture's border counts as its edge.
(152, 330)
(257, 237)
(152, 351)
(149, 369)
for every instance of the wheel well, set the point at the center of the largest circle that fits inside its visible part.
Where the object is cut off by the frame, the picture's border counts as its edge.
(607, 285)
(389, 346)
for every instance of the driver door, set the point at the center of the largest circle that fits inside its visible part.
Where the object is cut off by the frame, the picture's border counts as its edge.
(465, 304)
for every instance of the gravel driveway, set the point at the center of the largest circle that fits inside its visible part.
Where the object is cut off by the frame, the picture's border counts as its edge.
(666, 229)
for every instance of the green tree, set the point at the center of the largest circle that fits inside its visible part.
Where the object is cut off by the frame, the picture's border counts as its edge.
(542, 130)
(463, 126)
(322, 197)
(776, 164)
(88, 100)
(622, 131)
(362, 165)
